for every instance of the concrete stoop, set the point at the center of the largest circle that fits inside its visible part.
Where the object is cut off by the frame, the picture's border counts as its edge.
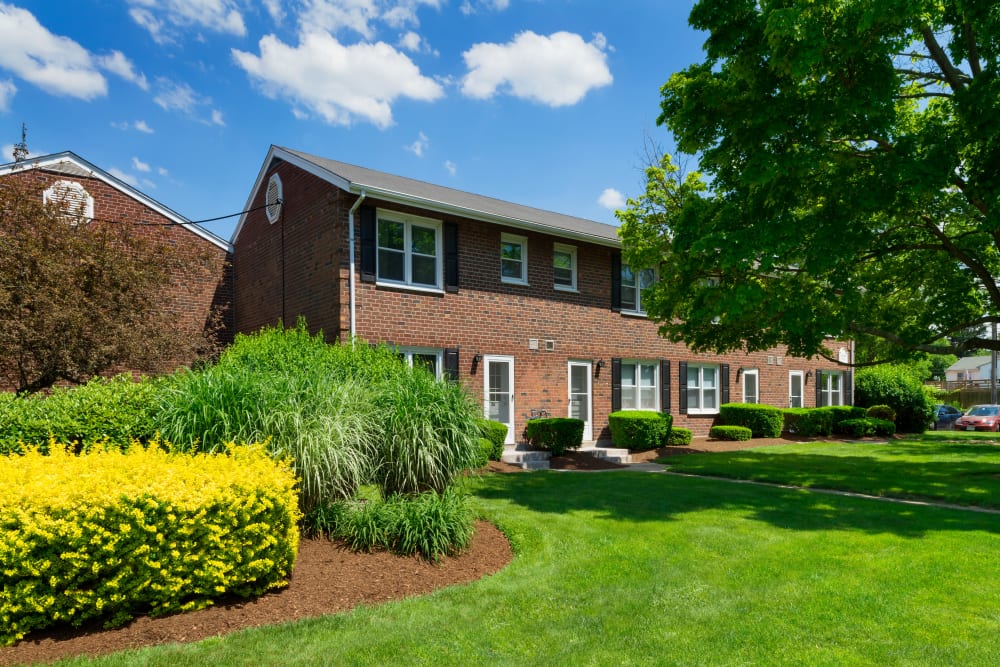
(534, 459)
(611, 454)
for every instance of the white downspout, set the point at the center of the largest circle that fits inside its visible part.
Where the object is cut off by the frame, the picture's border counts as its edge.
(351, 280)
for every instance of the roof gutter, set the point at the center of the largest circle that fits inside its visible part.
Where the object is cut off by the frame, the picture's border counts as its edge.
(350, 252)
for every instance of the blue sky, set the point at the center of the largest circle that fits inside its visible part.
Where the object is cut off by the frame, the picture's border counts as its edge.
(546, 103)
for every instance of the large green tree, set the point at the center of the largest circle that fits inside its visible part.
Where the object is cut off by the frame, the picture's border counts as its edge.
(851, 151)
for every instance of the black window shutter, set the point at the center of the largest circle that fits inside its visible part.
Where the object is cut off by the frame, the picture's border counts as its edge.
(616, 281)
(819, 388)
(451, 364)
(682, 382)
(451, 257)
(724, 384)
(616, 385)
(848, 388)
(366, 215)
(664, 385)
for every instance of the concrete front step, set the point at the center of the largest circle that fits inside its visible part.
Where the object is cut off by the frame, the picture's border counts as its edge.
(612, 454)
(533, 459)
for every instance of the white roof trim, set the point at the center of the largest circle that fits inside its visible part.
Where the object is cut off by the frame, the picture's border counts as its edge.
(51, 161)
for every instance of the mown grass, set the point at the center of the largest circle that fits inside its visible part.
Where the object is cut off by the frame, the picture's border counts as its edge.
(947, 467)
(645, 569)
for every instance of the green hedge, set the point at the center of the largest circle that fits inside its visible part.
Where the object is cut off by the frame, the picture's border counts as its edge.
(810, 422)
(883, 412)
(639, 430)
(764, 421)
(866, 426)
(556, 434)
(108, 534)
(679, 437)
(900, 389)
(495, 433)
(728, 432)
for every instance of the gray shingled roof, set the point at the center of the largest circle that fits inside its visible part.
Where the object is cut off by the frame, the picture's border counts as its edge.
(969, 363)
(474, 205)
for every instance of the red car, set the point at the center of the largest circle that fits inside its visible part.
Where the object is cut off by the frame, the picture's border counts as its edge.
(980, 418)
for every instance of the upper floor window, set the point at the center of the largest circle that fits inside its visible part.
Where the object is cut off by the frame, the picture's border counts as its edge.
(409, 250)
(513, 259)
(564, 266)
(72, 199)
(831, 388)
(633, 284)
(639, 385)
(702, 388)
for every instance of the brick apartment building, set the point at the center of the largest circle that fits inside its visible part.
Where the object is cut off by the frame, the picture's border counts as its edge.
(532, 310)
(203, 286)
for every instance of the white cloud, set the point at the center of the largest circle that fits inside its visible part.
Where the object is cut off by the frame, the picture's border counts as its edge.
(557, 70)
(55, 64)
(7, 92)
(143, 127)
(167, 19)
(217, 118)
(468, 8)
(124, 176)
(273, 8)
(118, 64)
(175, 96)
(337, 82)
(139, 165)
(451, 167)
(360, 16)
(418, 146)
(611, 199)
(162, 171)
(411, 41)
(6, 153)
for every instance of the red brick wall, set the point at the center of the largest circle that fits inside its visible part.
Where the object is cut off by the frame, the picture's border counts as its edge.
(485, 317)
(203, 284)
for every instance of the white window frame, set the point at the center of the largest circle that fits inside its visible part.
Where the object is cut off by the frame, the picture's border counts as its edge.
(751, 373)
(571, 251)
(826, 391)
(408, 222)
(407, 354)
(638, 386)
(77, 203)
(523, 242)
(640, 308)
(700, 390)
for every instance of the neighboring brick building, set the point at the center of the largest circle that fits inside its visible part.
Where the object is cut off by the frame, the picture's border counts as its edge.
(203, 289)
(533, 310)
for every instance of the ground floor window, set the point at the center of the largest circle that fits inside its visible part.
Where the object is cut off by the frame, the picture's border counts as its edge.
(751, 386)
(702, 388)
(639, 385)
(831, 388)
(424, 357)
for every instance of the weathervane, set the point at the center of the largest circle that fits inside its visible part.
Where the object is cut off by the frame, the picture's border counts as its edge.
(21, 149)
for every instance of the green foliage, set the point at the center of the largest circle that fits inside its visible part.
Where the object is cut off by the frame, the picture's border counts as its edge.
(496, 434)
(116, 411)
(107, 534)
(764, 421)
(429, 524)
(556, 434)
(866, 426)
(853, 182)
(808, 422)
(724, 432)
(883, 412)
(679, 437)
(897, 388)
(639, 430)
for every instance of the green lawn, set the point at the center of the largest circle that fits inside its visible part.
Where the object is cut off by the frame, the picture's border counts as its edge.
(628, 568)
(952, 467)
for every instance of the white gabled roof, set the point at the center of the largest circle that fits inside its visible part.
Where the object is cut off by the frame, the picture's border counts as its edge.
(70, 164)
(438, 198)
(969, 363)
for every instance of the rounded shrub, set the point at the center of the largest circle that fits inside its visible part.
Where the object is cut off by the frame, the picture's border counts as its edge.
(883, 412)
(495, 433)
(556, 434)
(866, 426)
(898, 388)
(679, 437)
(727, 432)
(639, 430)
(764, 421)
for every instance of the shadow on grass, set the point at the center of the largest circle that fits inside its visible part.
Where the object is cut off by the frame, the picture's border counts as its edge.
(640, 497)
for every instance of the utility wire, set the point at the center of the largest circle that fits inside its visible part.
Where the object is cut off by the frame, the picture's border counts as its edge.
(181, 224)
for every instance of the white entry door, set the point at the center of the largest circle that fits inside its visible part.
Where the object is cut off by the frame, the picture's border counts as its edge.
(498, 392)
(579, 396)
(795, 389)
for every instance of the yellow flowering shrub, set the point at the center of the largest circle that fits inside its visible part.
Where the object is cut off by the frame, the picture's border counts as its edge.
(111, 534)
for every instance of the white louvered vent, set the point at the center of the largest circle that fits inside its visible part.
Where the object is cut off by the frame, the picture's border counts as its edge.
(273, 199)
(74, 202)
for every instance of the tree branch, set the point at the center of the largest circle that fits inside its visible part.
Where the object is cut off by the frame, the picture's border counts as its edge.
(952, 74)
(973, 48)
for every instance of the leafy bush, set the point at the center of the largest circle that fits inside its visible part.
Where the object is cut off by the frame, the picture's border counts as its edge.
(809, 422)
(764, 421)
(107, 534)
(638, 430)
(727, 432)
(430, 524)
(556, 434)
(898, 388)
(679, 437)
(116, 410)
(866, 426)
(496, 434)
(883, 412)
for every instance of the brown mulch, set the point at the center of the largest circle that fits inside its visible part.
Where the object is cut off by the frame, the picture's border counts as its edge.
(327, 578)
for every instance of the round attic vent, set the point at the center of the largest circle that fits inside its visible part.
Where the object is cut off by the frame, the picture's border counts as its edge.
(272, 201)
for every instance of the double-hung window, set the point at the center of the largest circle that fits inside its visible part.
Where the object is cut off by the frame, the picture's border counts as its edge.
(831, 388)
(428, 358)
(633, 283)
(564, 267)
(514, 259)
(702, 388)
(751, 386)
(639, 385)
(409, 250)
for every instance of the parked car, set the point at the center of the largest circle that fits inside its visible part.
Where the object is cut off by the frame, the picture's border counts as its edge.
(980, 418)
(944, 417)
